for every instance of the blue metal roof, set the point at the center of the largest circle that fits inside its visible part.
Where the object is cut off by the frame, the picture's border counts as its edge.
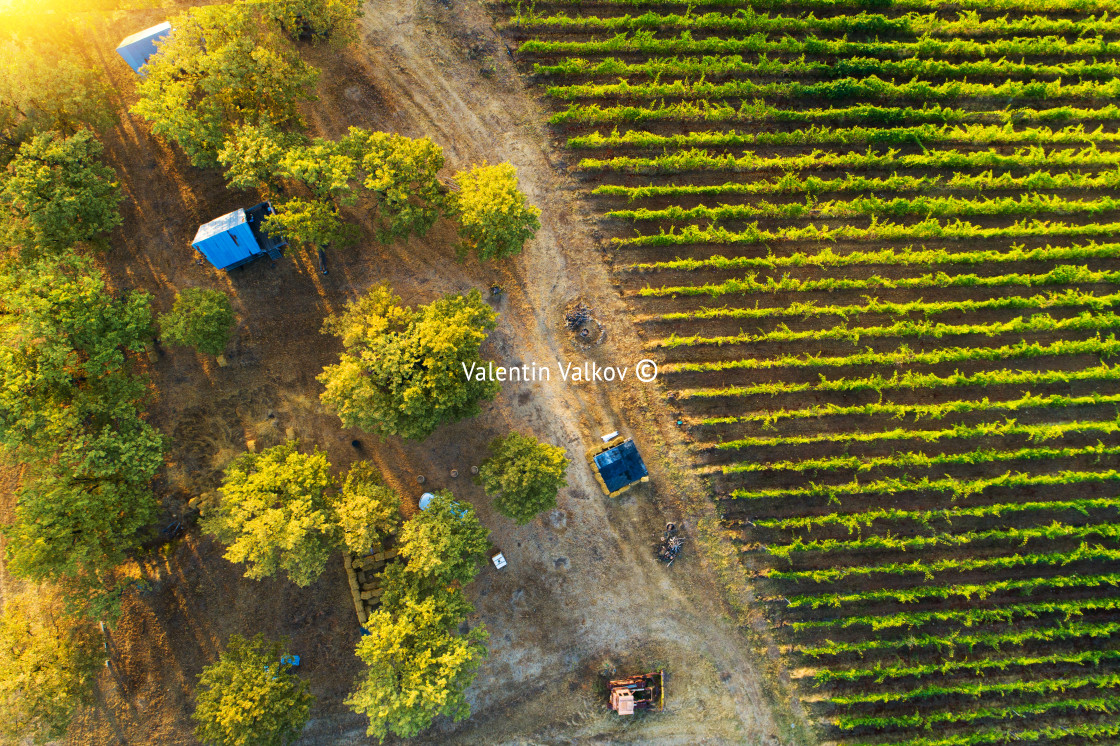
(238, 238)
(620, 466)
(136, 49)
(228, 241)
(219, 225)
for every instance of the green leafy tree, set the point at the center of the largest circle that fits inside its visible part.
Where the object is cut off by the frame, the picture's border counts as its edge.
(367, 509)
(391, 176)
(249, 698)
(69, 409)
(252, 154)
(324, 167)
(47, 665)
(313, 221)
(45, 87)
(57, 192)
(402, 370)
(222, 67)
(402, 174)
(316, 20)
(64, 361)
(80, 513)
(494, 219)
(200, 318)
(444, 544)
(418, 666)
(523, 476)
(274, 513)
(397, 177)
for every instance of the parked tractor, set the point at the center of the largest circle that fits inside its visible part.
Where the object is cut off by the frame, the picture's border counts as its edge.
(644, 691)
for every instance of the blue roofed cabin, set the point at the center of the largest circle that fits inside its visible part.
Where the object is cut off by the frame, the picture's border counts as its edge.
(137, 48)
(238, 238)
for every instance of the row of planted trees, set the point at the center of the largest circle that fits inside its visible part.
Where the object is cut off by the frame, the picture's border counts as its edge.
(71, 413)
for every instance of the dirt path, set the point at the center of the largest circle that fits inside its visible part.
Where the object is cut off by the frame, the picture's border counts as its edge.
(582, 592)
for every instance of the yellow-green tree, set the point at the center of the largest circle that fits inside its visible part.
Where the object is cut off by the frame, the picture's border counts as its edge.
(368, 510)
(444, 544)
(523, 475)
(56, 192)
(401, 173)
(401, 371)
(418, 665)
(249, 698)
(495, 221)
(222, 67)
(392, 177)
(47, 665)
(274, 513)
(44, 87)
(252, 153)
(70, 410)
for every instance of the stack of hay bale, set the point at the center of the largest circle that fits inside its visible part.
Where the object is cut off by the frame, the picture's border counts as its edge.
(364, 573)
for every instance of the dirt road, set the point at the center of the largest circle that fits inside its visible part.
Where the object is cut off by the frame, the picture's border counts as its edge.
(582, 593)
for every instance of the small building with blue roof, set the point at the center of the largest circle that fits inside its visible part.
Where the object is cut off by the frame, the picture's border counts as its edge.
(238, 238)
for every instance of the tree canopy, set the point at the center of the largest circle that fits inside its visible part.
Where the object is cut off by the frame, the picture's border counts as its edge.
(222, 67)
(495, 221)
(275, 515)
(402, 173)
(391, 176)
(418, 666)
(523, 476)
(200, 318)
(56, 192)
(444, 544)
(402, 370)
(70, 408)
(317, 222)
(252, 153)
(249, 698)
(317, 20)
(368, 510)
(64, 362)
(47, 667)
(42, 91)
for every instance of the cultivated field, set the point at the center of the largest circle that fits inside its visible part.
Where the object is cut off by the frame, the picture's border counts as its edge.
(874, 246)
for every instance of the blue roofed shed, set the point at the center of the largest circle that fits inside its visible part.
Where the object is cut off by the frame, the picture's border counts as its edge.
(238, 238)
(137, 48)
(618, 466)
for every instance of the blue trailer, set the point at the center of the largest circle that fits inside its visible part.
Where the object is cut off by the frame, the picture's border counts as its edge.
(617, 465)
(238, 238)
(137, 48)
